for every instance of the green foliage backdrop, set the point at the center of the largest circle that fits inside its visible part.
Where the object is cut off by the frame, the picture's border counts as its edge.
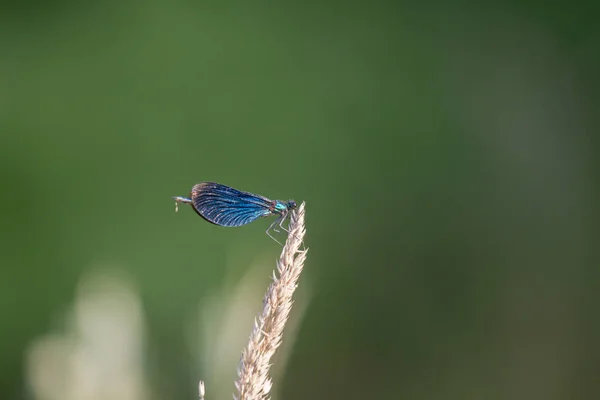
(447, 155)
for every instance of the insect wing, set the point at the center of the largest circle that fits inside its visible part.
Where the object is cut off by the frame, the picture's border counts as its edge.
(226, 206)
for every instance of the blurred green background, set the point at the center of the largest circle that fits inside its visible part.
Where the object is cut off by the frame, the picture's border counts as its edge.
(446, 153)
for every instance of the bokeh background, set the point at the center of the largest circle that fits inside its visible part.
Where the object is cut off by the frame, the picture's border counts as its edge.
(447, 154)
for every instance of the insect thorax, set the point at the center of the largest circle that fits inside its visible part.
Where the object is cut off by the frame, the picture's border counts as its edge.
(280, 207)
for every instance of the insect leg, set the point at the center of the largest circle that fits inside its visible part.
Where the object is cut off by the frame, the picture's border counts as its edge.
(271, 228)
(271, 236)
(277, 223)
(282, 220)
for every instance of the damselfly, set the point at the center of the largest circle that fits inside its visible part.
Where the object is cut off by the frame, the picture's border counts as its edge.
(225, 206)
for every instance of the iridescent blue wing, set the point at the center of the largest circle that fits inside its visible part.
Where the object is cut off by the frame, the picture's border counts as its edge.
(226, 206)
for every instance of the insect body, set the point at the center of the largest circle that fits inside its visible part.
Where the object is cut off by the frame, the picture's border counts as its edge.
(225, 206)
